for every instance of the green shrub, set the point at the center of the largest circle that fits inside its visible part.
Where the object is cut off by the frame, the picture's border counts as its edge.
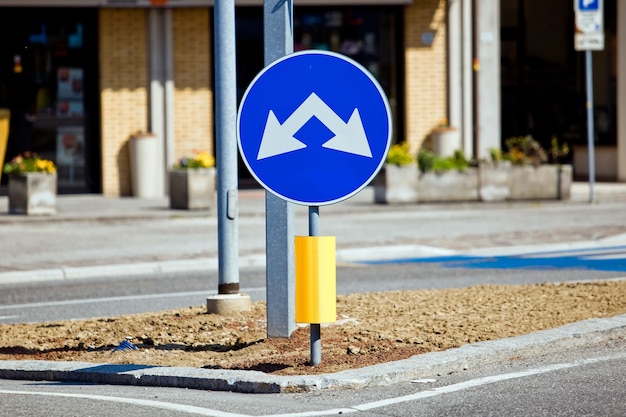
(557, 153)
(524, 150)
(497, 155)
(428, 161)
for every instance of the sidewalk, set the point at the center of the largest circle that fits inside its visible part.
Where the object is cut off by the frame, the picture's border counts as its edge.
(96, 236)
(251, 203)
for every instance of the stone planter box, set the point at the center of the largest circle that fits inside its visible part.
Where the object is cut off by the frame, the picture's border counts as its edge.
(494, 181)
(32, 193)
(489, 182)
(450, 185)
(192, 189)
(396, 184)
(540, 183)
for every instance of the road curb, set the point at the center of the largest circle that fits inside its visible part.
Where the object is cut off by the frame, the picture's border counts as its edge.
(544, 342)
(203, 264)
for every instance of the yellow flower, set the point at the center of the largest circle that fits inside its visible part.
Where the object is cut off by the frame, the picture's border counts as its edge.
(206, 159)
(201, 160)
(29, 162)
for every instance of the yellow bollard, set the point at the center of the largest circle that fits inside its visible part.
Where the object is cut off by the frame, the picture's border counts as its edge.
(316, 288)
(5, 116)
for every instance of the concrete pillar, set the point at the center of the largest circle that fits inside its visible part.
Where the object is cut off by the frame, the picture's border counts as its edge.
(621, 91)
(460, 76)
(168, 55)
(467, 130)
(161, 95)
(487, 89)
(455, 64)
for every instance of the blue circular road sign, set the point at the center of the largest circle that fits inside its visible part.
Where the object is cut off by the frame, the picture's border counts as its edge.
(314, 127)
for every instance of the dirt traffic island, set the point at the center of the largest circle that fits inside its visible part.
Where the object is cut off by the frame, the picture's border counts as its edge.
(372, 328)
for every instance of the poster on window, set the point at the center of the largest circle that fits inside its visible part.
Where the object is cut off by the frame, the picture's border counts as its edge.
(69, 108)
(70, 146)
(70, 84)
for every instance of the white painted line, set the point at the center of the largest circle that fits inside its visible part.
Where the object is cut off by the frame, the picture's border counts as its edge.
(144, 403)
(7, 317)
(116, 299)
(333, 412)
(482, 381)
(424, 381)
(391, 252)
(474, 383)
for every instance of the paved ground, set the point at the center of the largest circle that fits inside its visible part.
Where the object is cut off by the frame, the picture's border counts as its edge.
(92, 235)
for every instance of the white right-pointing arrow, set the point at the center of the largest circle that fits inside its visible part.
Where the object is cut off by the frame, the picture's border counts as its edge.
(350, 137)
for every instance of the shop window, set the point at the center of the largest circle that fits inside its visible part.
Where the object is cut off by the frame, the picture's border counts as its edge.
(51, 57)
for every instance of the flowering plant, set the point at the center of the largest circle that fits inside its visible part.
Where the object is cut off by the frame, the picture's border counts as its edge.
(523, 150)
(29, 162)
(201, 160)
(399, 154)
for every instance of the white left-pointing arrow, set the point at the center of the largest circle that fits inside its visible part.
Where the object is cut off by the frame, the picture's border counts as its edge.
(275, 141)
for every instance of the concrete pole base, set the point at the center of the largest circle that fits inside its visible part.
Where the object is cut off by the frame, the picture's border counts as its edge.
(224, 304)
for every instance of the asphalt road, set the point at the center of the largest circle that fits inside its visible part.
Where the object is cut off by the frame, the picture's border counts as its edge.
(112, 296)
(579, 382)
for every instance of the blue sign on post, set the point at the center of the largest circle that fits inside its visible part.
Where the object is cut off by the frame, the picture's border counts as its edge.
(588, 5)
(314, 127)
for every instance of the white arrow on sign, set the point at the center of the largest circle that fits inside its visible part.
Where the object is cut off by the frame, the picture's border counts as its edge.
(349, 137)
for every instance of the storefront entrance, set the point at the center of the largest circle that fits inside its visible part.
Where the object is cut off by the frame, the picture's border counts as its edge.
(543, 81)
(49, 81)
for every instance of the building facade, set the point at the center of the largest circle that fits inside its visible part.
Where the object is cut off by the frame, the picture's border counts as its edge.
(82, 76)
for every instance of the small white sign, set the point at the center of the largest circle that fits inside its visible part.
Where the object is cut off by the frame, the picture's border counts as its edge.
(589, 41)
(589, 22)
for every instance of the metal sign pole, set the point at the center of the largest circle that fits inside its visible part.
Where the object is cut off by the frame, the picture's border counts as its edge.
(589, 36)
(590, 126)
(279, 214)
(315, 328)
(226, 115)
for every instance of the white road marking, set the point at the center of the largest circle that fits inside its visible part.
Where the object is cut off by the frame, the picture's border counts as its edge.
(145, 403)
(455, 387)
(478, 382)
(114, 299)
(482, 381)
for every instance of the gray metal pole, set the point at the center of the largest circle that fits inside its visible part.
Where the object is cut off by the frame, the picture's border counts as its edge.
(315, 328)
(279, 214)
(226, 121)
(590, 127)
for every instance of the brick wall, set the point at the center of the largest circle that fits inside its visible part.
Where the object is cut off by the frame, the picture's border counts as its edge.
(193, 96)
(124, 81)
(123, 92)
(425, 69)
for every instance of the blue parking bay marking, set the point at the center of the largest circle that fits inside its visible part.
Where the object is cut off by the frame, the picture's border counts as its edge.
(612, 258)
